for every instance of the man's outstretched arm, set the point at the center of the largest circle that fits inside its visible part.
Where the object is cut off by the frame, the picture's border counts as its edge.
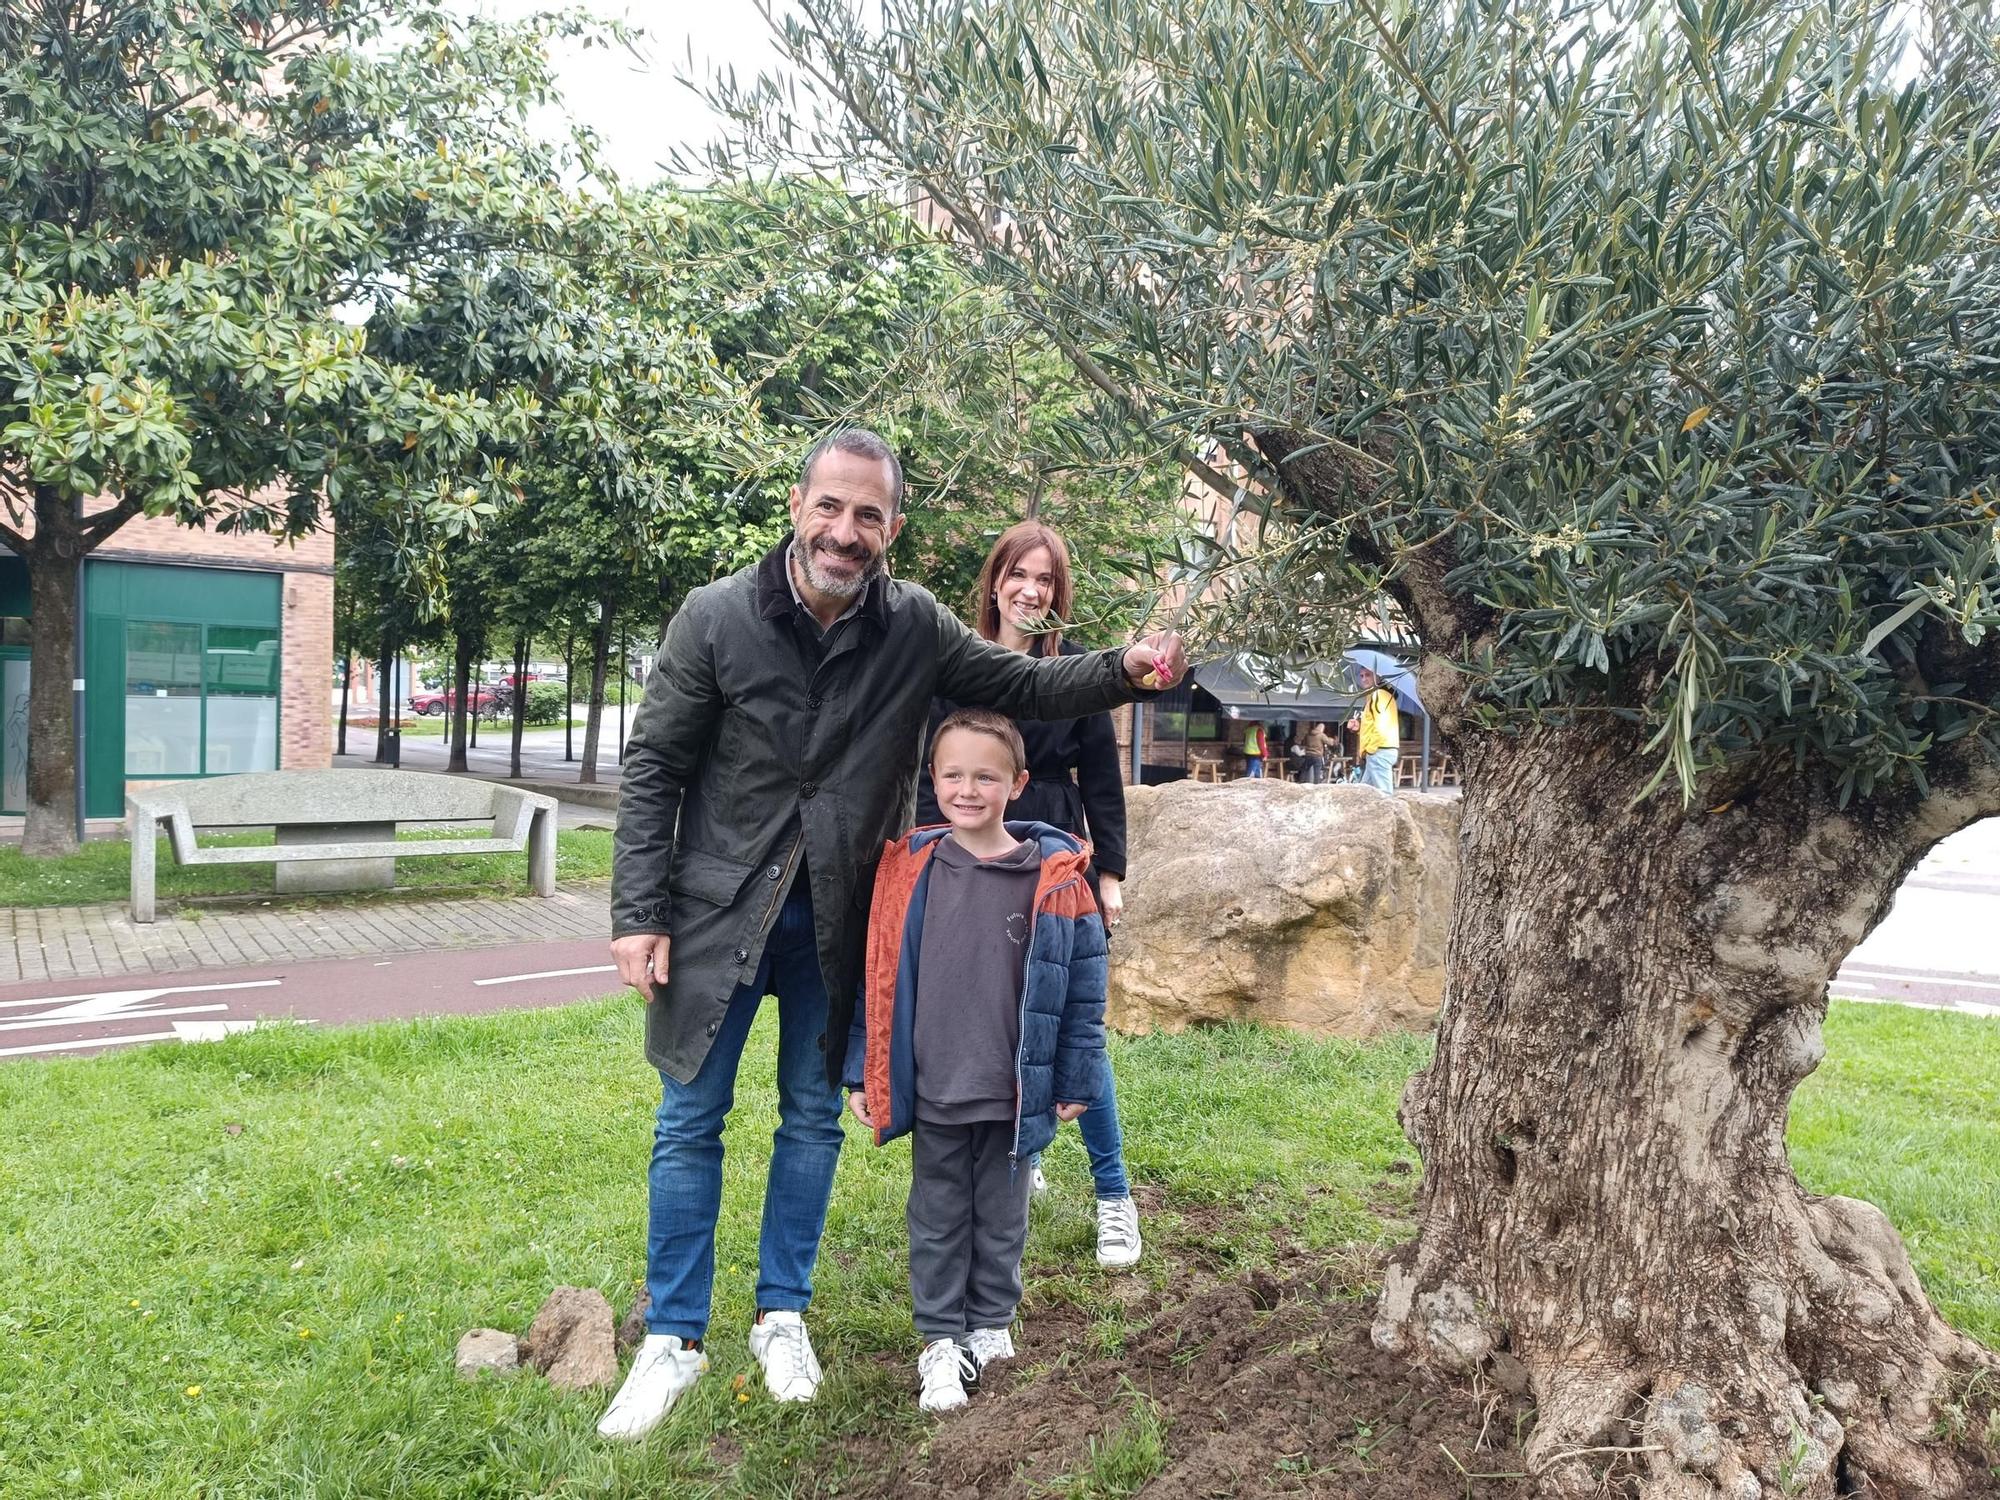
(974, 670)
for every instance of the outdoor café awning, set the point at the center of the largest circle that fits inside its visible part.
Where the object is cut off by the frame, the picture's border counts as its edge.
(1310, 691)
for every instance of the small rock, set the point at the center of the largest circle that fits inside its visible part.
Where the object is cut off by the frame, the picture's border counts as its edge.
(487, 1349)
(573, 1340)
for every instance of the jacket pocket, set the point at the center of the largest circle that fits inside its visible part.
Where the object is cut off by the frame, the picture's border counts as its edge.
(714, 878)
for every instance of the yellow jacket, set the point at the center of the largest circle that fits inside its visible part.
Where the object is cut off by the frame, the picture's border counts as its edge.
(1380, 727)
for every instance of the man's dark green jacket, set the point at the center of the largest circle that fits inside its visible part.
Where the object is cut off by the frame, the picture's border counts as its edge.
(758, 749)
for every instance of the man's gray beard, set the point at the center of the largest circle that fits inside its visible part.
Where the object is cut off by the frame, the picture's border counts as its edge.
(833, 588)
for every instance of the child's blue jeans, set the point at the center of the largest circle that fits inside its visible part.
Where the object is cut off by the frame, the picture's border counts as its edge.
(1104, 1139)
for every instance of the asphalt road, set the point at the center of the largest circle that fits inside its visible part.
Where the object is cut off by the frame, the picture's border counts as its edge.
(89, 1015)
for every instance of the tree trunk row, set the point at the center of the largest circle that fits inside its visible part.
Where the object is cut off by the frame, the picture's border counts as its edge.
(600, 659)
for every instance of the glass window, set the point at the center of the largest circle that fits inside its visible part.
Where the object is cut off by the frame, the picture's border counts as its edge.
(13, 733)
(200, 700)
(14, 630)
(241, 675)
(162, 699)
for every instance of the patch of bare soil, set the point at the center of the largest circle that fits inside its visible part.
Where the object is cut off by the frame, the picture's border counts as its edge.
(1239, 1383)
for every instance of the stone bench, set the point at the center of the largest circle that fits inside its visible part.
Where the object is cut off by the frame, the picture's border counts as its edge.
(336, 830)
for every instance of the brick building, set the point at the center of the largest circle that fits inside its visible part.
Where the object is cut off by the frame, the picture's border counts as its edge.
(203, 654)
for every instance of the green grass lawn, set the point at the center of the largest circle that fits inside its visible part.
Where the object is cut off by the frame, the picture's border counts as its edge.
(102, 871)
(238, 1269)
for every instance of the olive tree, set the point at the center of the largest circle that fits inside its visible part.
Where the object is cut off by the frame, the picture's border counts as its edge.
(1648, 355)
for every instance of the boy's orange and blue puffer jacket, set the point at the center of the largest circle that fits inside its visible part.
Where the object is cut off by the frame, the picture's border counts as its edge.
(1061, 1056)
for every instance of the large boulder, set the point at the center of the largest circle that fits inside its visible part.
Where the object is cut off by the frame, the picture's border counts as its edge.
(1322, 908)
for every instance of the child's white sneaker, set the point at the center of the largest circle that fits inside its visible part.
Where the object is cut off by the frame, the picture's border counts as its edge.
(782, 1346)
(943, 1370)
(1118, 1242)
(663, 1368)
(989, 1344)
(1037, 1183)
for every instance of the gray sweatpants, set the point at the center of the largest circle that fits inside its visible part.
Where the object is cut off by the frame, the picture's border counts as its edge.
(968, 1218)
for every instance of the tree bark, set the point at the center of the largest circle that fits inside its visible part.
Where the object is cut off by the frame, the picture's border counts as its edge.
(600, 658)
(1607, 1212)
(385, 713)
(461, 680)
(53, 600)
(520, 704)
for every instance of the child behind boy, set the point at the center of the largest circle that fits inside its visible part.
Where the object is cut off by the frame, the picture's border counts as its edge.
(981, 1024)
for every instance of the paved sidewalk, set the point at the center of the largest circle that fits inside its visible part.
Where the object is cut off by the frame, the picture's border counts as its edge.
(91, 942)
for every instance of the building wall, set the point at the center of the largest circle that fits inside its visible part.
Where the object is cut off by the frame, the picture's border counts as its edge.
(305, 740)
(160, 539)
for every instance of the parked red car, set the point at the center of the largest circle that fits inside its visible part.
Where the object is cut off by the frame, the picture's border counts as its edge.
(432, 703)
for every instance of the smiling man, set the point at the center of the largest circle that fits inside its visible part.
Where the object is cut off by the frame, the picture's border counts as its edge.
(774, 754)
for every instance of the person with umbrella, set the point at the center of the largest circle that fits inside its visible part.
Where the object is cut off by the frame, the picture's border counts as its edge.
(1380, 731)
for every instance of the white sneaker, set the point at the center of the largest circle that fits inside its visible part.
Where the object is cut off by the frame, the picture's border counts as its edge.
(943, 1369)
(663, 1368)
(783, 1348)
(1118, 1242)
(989, 1344)
(1037, 1183)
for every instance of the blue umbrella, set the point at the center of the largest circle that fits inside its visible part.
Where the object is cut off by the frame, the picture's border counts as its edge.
(1395, 676)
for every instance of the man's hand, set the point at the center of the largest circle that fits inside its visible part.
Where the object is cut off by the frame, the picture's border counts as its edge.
(1111, 897)
(858, 1102)
(642, 961)
(1156, 661)
(1068, 1112)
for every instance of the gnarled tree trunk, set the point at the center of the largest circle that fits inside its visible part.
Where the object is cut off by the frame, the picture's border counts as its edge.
(1635, 990)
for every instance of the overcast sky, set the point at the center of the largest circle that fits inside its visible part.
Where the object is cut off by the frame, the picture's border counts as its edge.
(639, 108)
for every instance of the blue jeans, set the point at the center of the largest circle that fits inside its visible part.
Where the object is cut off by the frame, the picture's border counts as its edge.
(1377, 769)
(684, 1197)
(1253, 767)
(1104, 1139)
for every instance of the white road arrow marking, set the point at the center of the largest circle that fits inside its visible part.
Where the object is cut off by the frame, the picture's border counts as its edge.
(102, 1041)
(110, 1005)
(129, 1015)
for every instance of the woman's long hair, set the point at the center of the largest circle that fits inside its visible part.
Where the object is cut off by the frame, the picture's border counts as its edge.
(1015, 543)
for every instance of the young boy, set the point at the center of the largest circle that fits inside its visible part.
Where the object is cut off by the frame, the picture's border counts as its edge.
(981, 1025)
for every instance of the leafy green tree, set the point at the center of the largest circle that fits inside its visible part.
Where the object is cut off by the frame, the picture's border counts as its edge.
(836, 306)
(190, 191)
(1649, 357)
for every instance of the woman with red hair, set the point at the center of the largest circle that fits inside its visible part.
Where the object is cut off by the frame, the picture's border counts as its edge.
(1024, 594)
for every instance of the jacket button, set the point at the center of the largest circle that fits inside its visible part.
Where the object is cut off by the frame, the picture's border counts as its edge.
(713, 1027)
(743, 955)
(814, 701)
(774, 872)
(809, 789)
